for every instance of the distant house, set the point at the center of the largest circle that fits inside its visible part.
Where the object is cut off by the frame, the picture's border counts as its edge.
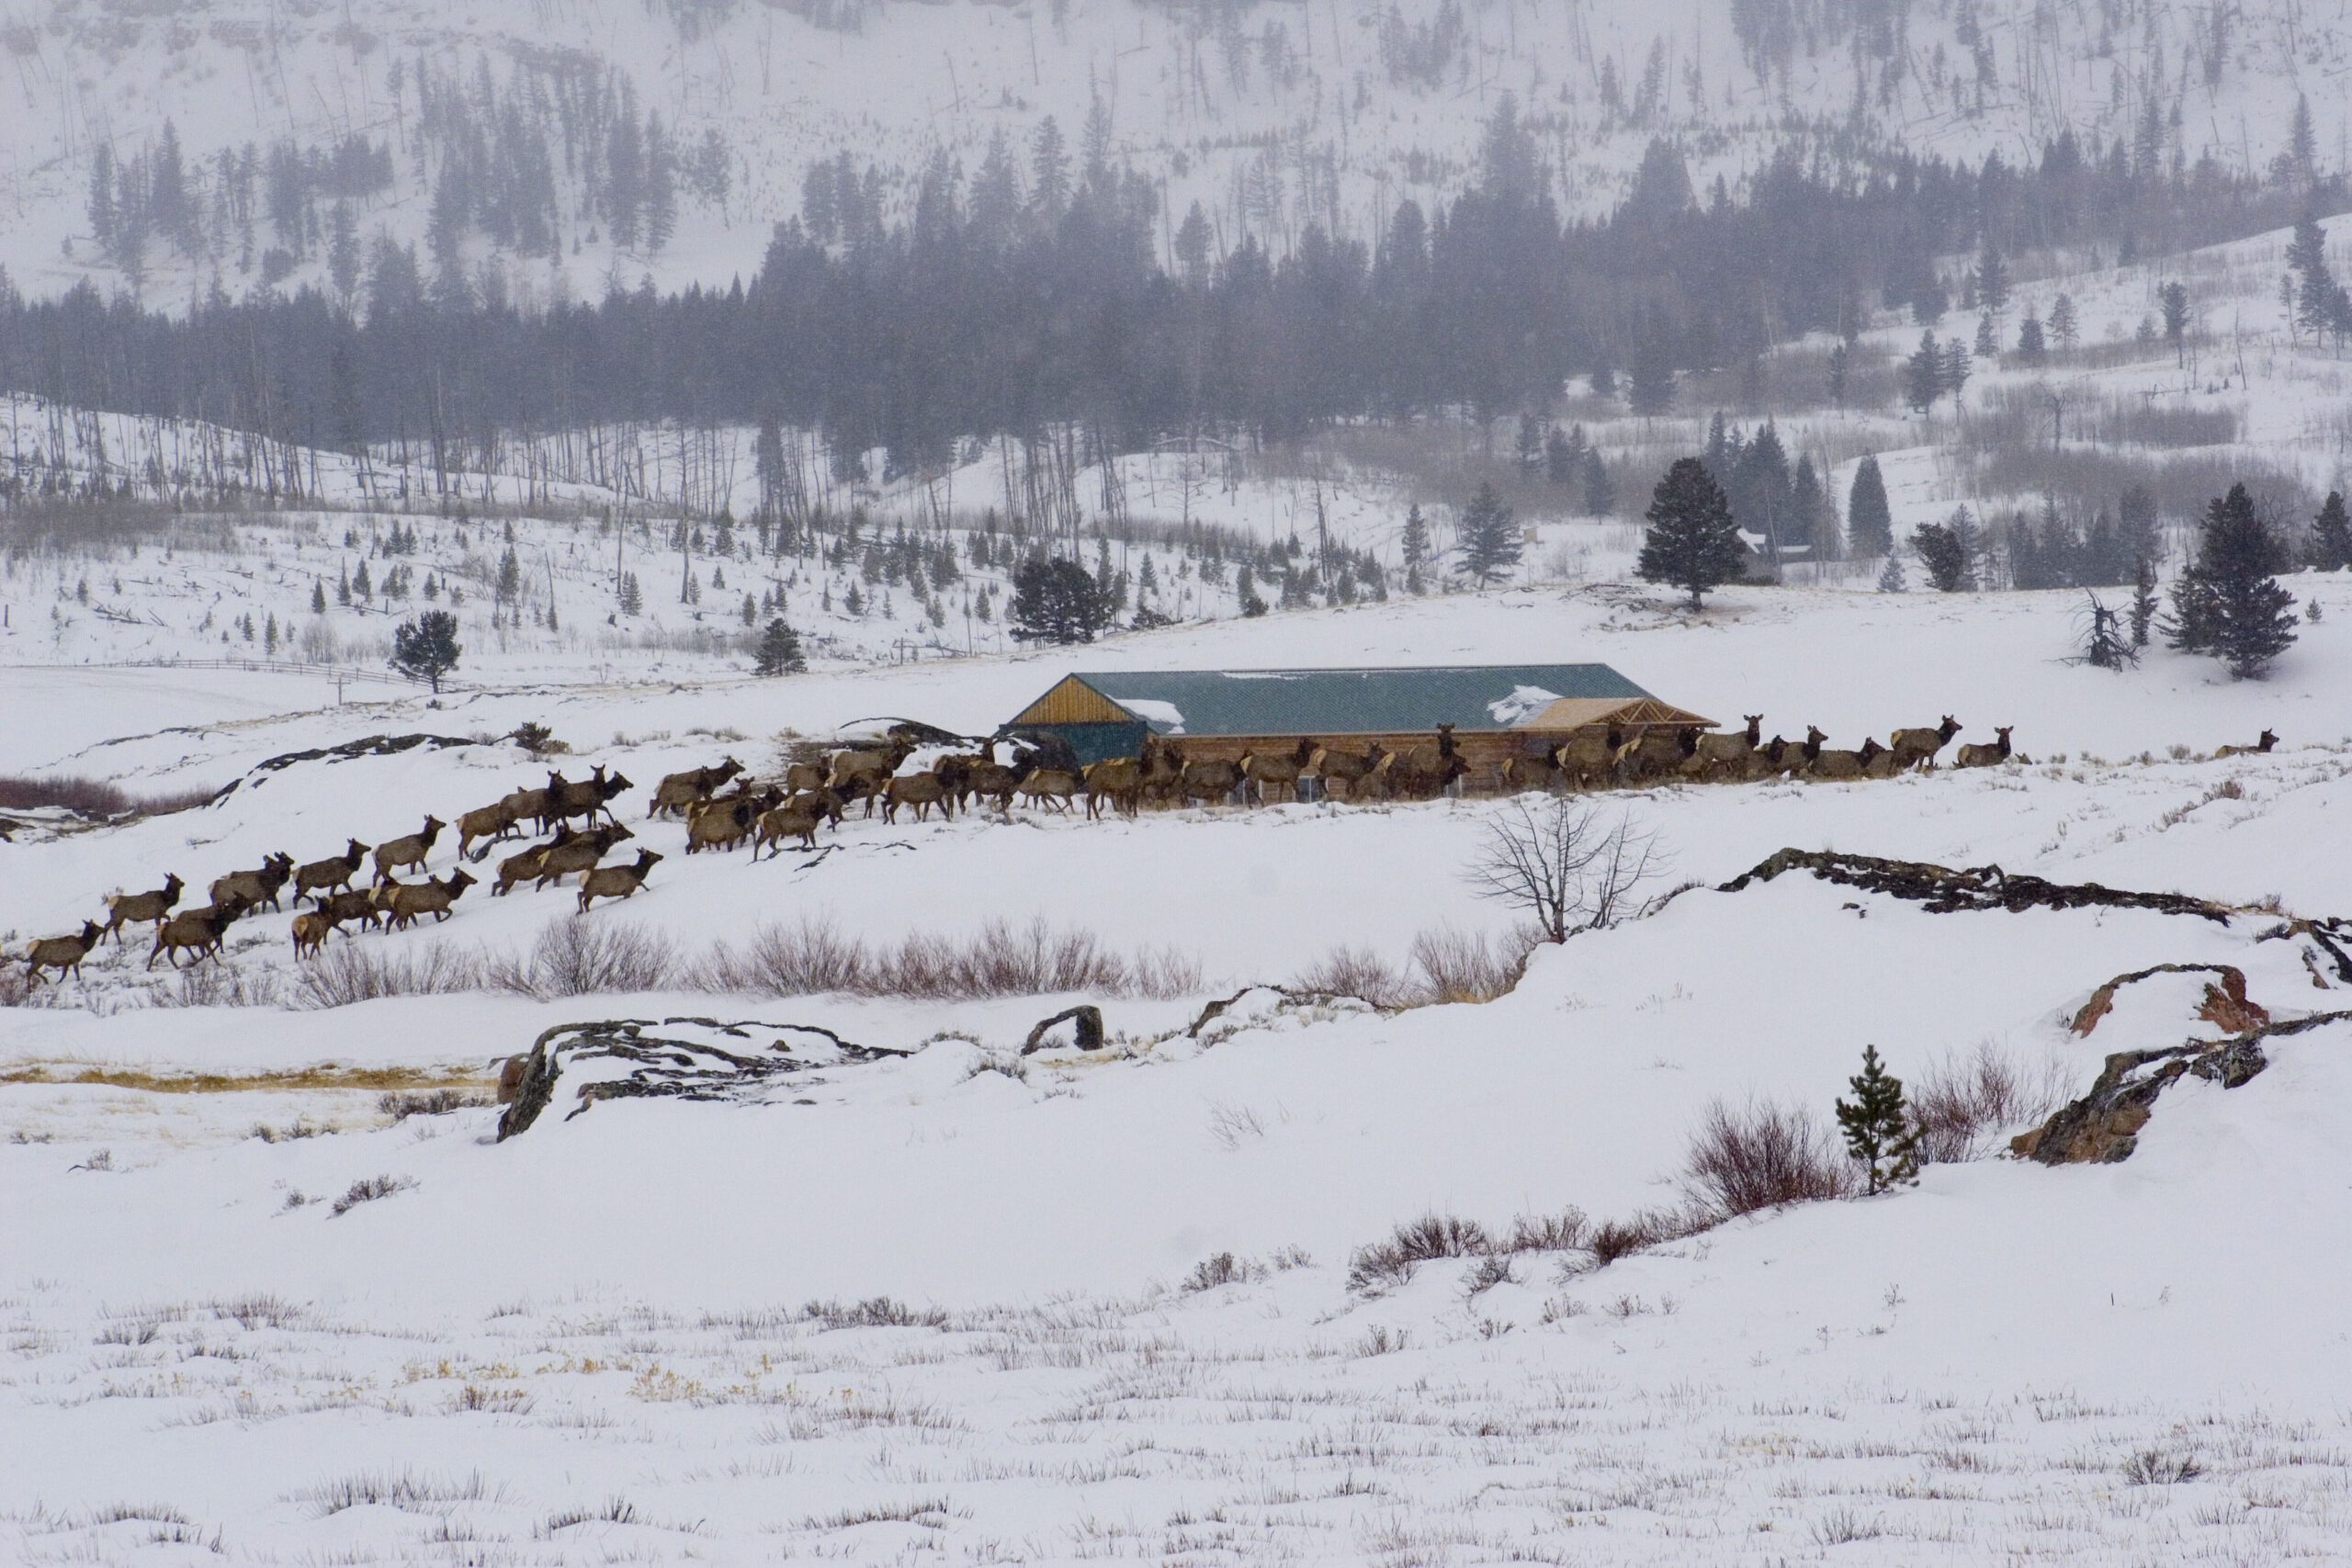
(1496, 710)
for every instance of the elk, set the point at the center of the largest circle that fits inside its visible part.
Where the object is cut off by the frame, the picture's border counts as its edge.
(1586, 758)
(122, 909)
(493, 822)
(1114, 782)
(1913, 748)
(1843, 764)
(525, 865)
(199, 928)
(323, 876)
(1260, 769)
(1726, 754)
(804, 776)
(615, 881)
(585, 798)
(392, 855)
(1162, 768)
(1653, 752)
(1344, 769)
(64, 953)
(723, 824)
(922, 791)
(993, 781)
(1426, 771)
(342, 906)
(875, 762)
(676, 792)
(2261, 746)
(1056, 785)
(1532, 770)
(311, 932)
(796, 819)
(426, 897)
(1983, 756)
(955, 772)
(578, 853)
(251, 887)
(1207, 782)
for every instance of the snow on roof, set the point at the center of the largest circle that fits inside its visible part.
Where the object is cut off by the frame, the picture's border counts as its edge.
(1347, 702)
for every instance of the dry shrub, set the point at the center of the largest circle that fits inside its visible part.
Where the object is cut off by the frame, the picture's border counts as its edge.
(1964, 1103)
(1563, 1232)
(1356, 971)
(1468, 966)
(1392, 1262)
(1761, 1156)
(575, 957)
(348, 974)
(93, 797)
(429, 1102)
(1222, 1270)
(217, 985)
(367, 1189)
(1614, 1239)
(813, 957)
(875, 1312)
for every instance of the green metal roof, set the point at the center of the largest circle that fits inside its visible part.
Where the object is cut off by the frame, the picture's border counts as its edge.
(1351, 702)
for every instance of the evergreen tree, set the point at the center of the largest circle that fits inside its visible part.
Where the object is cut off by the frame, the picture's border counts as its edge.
(2064, 324)
(318, 597)
(1947, 551)
(2135, 532)
(1599, 490)
(510, 577)
(362, 589)
(1840, 370)
(2332, 535)
(1923, 375)
(426, 648)
(853, 601)
(270, 635)
(1528, 446)
(2172, 297)
(1561, 456)
(1814, 519)
(2031, 346)
(2229, 603)
(751, 611)
(1880, 1135)
(1415, 546)
(1489, 540)
(779, 652)
(1653, 390)
(1055, 601)
(1691, 542)
(1988, 343)
(632, 596)
(1869, 523)
(2316, 288)
(1890, 578)
(1992, 278)
(1957, 368)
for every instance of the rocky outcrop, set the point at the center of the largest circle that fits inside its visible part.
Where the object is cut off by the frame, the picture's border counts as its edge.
(1944, 890)
(678, 1059)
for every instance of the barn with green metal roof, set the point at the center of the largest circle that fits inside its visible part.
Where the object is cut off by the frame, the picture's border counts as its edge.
(1493, 711)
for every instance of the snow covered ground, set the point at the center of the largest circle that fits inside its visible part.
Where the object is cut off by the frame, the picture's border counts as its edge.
(953, 1307)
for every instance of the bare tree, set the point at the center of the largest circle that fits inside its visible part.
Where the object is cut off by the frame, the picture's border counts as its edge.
(1560, 864)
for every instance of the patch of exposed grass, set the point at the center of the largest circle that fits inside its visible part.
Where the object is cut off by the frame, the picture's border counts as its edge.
(325, 1075)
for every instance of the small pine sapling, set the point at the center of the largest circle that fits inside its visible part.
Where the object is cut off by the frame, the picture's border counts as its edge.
(1879, 1133)
(2143, 600)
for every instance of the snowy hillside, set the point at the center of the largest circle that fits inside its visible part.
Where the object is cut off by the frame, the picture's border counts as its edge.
(291, 124)
(967, 1306)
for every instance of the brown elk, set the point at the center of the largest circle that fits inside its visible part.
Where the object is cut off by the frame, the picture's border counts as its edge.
(874, 762)
(1038, 784)
(426, 897)
(1260, 769)
(993, 781)
(804, 776)
(201, 929)
(1207, 782)
(396, 853)
(525, 864)
(252, 887)
(2259, 747)
(1983, 756)
(922, 791)
(1843, 764)
(580, 853)
(124, 908)
(615, 881)
(1426, 772)
(1917, 747)
(723, 824)
(1343, 769)
(1726, 756)
(1161, 763)
(795, 819)
(1653, 752)
(586, 797)
(321, 877)
(495, 821)
(64, 953)
(1116, 783)
(955, 772)
(342, 906)
(311, 932)
(1588, 760)
(676, 792)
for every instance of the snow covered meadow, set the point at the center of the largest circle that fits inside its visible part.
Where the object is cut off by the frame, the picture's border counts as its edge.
(272, 1291)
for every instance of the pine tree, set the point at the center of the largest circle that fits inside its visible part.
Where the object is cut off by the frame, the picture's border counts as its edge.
(1869, 523)
(362, 589)
(318, 597)
(2229, 603)
(2332, 535)
(426, 648)
(1890, 577)
(1840, 371)
(779, 652)
(1880, 1135)
(2064, 324)
(853, 601)
(1957, 368)
(1489, 540)
(1923, 375)
(1528, 446)
(632, 596)
(1599, 490)
(1415, 546)
(1814, 519)
(1693, 542)
(1992, 278)
(2031, 346)
(1988, 343)
(2172, 297)
(1653, 380)
(1948, 550)
(751, 611)
(510, 577)
(1055, 601)
(1560, 455)
(270, 635)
